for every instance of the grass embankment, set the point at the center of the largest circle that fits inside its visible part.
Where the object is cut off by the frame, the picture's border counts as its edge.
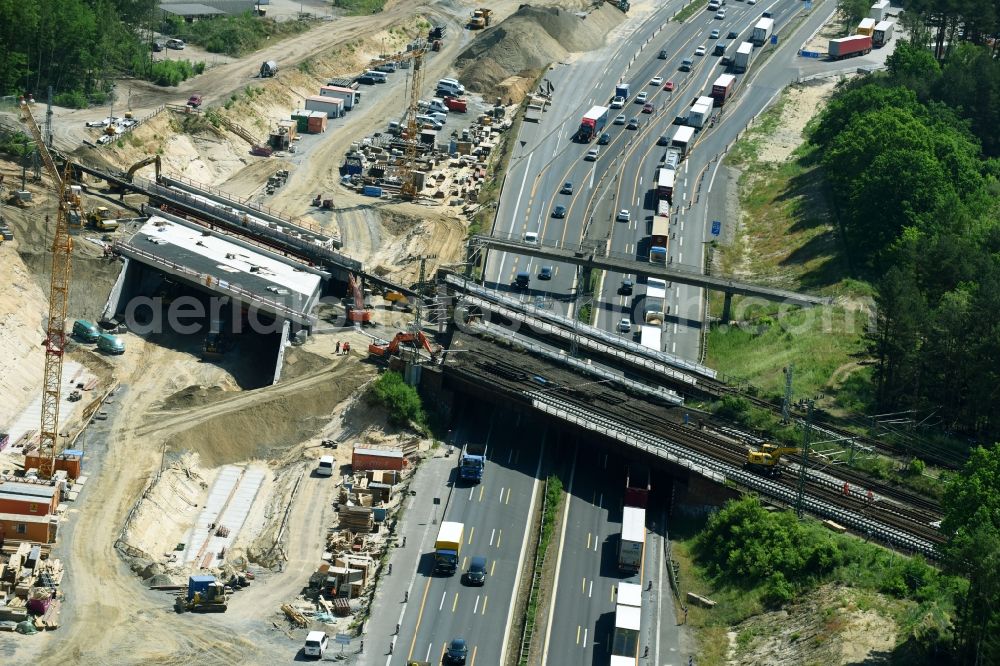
(233, 35)
(690, 10)
(553, 505)
(358, 7)
(751, 560)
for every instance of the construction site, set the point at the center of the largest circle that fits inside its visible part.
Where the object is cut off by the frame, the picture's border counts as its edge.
(299, 216)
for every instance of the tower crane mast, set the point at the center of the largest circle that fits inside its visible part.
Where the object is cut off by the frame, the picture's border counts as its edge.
(415, 55)
(55, 323)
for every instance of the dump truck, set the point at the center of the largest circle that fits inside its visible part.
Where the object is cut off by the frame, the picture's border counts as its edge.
(762, 31)
(722, 89)
(741, 61)
(480, 18)
(882, 34)
(659, 239)
(845, 47)
(593, 123)
(633, 539)
(472, 462)
(205, 594)
(447, 547)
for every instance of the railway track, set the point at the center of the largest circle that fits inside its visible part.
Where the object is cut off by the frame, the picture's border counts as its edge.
(518, 382)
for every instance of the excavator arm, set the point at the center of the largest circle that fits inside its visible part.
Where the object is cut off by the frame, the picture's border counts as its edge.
(152, 159)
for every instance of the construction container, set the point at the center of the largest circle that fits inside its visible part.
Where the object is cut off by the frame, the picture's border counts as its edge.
(364, 459)
(301, 118)
(198, 584)
(317, 123)
(372, 191)
(332, 106)
(348, 95)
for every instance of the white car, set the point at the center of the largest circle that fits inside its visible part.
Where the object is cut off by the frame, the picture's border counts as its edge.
(641, 97)
(531, 237)
(625, 325)
(620, 120)
(751, 2)
(721, 14)
(700, 51)
(656, 81)
(624, 215)
(617, 102)
(317, 643)
(591, 155)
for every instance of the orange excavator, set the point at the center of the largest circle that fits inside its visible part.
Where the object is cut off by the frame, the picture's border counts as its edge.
(415, 340)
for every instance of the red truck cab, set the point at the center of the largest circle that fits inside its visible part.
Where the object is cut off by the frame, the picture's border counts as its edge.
(194, 101)
(461, 105)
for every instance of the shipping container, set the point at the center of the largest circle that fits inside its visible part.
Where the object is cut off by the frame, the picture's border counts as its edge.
(866, 27)
(317, 123)
(659, 240)
(741, 62)
(699, 114)
(332, 106)
(365, 459)
(683, 139)
(348, 95)
(846, 47)
(665, 184)
(762, 31)
(722, 89)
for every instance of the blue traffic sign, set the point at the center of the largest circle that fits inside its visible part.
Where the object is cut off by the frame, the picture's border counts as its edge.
(716, 227)
(809, 5)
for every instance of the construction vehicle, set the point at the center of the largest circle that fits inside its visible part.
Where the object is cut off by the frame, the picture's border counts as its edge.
(480, 18)
(205, 594)
(765, 461)
(102, 218)
(216, 342)
(357, 311)
(415, 340)
(55, 325)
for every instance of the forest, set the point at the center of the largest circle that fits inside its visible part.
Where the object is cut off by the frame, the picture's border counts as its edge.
(911, 161)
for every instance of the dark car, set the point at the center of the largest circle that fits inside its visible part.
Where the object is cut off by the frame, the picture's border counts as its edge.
(559, 211)
(681, 120)
(633, 124)
(366, 80)
(767, 15)
(567, 188)
(521, 280)
(456, 653)
(664, 140)
(732, 34)
(476, 573)
(626, 288)
(663, 54)
(544, 274)
(604, 140)
(157, 46)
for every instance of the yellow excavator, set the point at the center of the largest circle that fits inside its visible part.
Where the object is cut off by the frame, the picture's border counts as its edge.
(765, 461)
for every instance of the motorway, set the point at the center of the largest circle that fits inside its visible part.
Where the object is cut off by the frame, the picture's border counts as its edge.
(495, 513)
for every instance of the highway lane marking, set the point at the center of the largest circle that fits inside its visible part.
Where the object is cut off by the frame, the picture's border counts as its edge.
(501, 495)
(585, 637)
(583, 585)
(485, 599)
(482, 489)
(590, 590)
(454, 604)
(680, 258)
(492, 534)
(578, 630)
(444, 595)
(471, 490)
(420, 615)
(465, 559)
(507, 501)
(597, 540)
(673, 347)
(492, 567)
(471, 532)
(588, 540)
(474, 647)
(499, 535)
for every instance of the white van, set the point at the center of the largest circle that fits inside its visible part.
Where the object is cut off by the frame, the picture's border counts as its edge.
(451, 87)
(316, 644)
(429, 121)
(378, 77)
(436, 105)
(176, 44)
(325, 467)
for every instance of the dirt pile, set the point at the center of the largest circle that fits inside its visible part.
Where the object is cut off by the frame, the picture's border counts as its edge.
(528, 41)
(22, 310)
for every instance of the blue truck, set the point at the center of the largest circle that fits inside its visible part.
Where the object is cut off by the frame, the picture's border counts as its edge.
(472, 463)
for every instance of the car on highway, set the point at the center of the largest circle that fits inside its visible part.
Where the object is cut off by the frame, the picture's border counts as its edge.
(457, 653)
(567, 188)
(521, 281)
(544, 274)
(559, 212)
(668, 86)
(641, 97)
(620, 120)
(617, 102)
(625, 325)
(531, 237)
(633, 124)
(664, 140)
(686, 65)
(591, 155)
(700, 51)
(663, 54)
(624, 215)
(647, 108)
(656, 81)
(732, 34)
(751, 2)
(714, 34)
(604, 140)
(626, 287)
(721, 14)
(476, 573)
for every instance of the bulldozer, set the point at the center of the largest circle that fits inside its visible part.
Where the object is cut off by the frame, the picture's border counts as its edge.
(480, 18)
(205, 595)
(415, 340)
(765, 461)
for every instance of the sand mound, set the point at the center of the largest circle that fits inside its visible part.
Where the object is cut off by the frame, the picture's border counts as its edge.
(529, 40)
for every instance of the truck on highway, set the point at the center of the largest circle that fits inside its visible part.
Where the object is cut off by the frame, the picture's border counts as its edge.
(882, 34)
(665, 184)
(593, 123)
(649, 337)
(633, 539)
(659, 238)
(683, 140)
(722, 89)
(845, 47)
(879, 10)
(447, 547)
(699, 114)
(621, 90)
(628, 620)
(656, 293)
(472, 462)
(866, 27)
(637, 486)
(741, 61)
(762, 31)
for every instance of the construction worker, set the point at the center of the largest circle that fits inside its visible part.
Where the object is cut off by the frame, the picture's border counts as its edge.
(406, 596)
(338, 347)
(347, 347)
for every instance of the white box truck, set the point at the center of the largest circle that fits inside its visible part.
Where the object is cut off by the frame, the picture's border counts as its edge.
(879, 10)
(762, 31)
(882, 34)
(741, 62)
(633, 539)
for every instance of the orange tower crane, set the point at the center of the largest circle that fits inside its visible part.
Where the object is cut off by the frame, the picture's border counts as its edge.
(416, 56)
(55, 327)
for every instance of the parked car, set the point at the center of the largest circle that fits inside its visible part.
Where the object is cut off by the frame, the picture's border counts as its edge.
(176, 44)
(156, 46)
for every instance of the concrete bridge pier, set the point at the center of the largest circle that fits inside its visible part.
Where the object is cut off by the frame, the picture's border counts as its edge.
(727, 307)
